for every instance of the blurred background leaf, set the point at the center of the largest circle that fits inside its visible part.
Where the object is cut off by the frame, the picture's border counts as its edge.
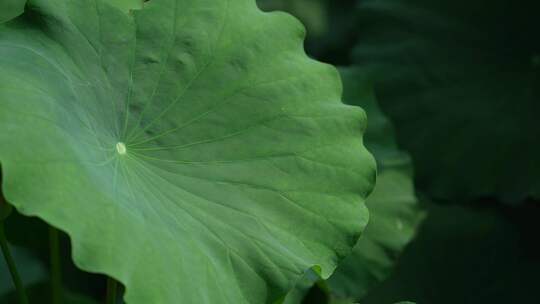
(468, 255)
(460, 80)
(10, 9)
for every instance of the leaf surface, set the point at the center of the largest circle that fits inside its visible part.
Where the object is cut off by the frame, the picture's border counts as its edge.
(191, 149)
(127, 5)
(393, 206)
(10, 9)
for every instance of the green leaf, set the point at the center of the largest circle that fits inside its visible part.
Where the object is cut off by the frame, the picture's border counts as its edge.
(127, 5)
(393, 206)
(394, 210)
(10, 9)
(461, 81)
(191, 149)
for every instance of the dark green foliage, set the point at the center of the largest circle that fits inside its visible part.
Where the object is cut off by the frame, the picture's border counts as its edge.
(468, 255)
(461, 80)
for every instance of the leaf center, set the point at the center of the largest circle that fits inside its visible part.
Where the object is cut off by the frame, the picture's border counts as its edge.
(121, 148)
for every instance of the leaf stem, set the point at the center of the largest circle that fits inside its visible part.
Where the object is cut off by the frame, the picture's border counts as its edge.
(56, 269)
(23, 299)
(112, 287)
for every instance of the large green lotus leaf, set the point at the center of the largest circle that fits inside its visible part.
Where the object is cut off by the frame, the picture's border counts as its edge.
(127, 5)
(10, 9)
(191, 149)
(393, 206)
(460, 79)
